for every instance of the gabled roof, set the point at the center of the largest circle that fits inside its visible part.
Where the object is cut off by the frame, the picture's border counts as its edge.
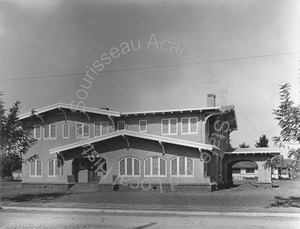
(128, 133)
(259, 150)
(71, 108)
(172, 111)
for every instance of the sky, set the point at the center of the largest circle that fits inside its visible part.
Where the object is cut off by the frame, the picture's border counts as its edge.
(246, 48)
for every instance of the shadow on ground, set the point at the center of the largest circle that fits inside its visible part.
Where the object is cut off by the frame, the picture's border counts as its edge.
(291, 201)
(44, 197)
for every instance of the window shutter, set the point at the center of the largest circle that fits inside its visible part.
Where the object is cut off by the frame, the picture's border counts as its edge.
(39, 168)
(104, 128)
(173, 126)
(129, 166)
(190, 166)
(147, 167)
(193, 125)
(32, 168)
(181, 166)
(155, 166)
(122, 167)
(136, 167)
(174, 167)
(46, 131)
(162, 167)
(185, 125)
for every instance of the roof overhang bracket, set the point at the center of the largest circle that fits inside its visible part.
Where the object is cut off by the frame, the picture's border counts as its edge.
(112, 121)
(35, 113)
(86, 115)
(206, 118)
(65, 114)
(200, 151)
(127, 141)
(163, 148)
(61, 155)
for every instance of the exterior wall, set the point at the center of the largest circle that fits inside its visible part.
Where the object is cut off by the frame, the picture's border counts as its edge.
(42, 147)
(154, 125)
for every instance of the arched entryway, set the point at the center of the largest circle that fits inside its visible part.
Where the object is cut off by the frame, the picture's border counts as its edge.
(257, 155)
(242, 170)
(85, 170)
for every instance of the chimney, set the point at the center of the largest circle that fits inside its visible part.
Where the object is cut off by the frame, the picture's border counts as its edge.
(211, 100)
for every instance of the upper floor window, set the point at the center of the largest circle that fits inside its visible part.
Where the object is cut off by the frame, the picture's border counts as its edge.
(54, 167)
(189, 125)
(82, 130)
(143, 125)
(37, 133)
(169, 126)
(50, 131)
(35, 168)
(129, 166)
(101, 128)
(155, 166)
(121, 125)
(182, 166)
(65, 131)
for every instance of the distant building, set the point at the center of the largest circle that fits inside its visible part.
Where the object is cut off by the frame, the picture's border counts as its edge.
(17, 175)
(244, 170)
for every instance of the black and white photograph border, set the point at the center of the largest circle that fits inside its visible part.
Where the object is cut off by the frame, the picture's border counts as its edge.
(149, 114)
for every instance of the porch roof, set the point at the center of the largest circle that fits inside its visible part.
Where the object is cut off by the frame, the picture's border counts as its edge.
(260, 150)
(70, 107)
(128, 133)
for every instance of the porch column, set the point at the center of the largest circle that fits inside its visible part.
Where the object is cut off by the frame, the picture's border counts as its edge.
(264, 175)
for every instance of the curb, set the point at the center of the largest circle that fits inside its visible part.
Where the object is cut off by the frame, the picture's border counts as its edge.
(156, 212)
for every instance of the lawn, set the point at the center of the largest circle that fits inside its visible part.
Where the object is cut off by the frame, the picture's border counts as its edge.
(242, 196)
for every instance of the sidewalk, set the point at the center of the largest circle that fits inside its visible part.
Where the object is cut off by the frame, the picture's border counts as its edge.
(154, 209)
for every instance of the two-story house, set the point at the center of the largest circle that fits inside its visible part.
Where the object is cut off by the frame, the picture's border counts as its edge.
(169, 149)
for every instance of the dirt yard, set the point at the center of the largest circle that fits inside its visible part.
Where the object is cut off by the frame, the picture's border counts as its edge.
(243, 196)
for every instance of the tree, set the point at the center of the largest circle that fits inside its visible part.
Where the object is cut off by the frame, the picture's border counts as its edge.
(15, 138)
(288, 116)
(262, 142)
(243, 145)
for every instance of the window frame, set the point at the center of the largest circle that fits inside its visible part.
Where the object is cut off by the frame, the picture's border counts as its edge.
(189, 125)
(82, 130)
(151, 167)
(55, 161)
(49, 131)
(63, 131)
(34, 132)
(35, 168)
(125, 168)
(101, 128)
(185, 167)
(247, 170)
(118, 125)
(169, 126)
(146, 125)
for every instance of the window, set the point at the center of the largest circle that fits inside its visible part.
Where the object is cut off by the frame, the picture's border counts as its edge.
(182, 166)
(249, 170)
(169, 126)
(35, 168)
(54, 167)
(50, 131)
(65, 131)
(236, 170)
(155, 166)
(189, 125)
(82, 130)
(143, 125)
(101, 128)
(37, 134)
(129, 166)
(121, 125)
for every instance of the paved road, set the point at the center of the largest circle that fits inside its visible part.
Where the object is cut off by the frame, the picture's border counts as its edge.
(31, 219)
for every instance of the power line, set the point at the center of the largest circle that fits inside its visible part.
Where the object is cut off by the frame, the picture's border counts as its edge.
(150, 67)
